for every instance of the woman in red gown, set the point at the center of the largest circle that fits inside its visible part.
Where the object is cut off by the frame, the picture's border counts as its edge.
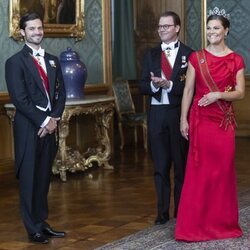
(208, 208)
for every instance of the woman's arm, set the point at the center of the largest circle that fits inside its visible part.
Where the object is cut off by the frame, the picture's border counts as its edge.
(187, 100)
(237, 94)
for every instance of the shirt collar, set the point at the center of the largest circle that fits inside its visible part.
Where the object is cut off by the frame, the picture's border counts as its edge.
(170, 46)
(39, 52)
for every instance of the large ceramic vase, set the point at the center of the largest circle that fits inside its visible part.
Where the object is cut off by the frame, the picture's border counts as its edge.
(74, 74)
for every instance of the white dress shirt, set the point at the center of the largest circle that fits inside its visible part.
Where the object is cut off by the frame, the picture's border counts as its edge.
(40, 59)
(171, 56)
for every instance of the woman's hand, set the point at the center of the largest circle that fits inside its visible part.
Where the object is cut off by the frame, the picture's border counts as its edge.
(209, 99)
(184, 128)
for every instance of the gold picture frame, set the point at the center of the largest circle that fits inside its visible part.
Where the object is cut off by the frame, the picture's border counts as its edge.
(71, 25)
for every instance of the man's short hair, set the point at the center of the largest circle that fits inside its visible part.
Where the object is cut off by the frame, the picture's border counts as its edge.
(28, 17)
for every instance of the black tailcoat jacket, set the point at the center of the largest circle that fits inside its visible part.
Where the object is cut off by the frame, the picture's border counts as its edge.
(26, 90)
(166, 144)
(34, 155)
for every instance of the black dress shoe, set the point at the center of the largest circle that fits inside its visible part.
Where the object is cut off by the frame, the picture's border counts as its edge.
(38, 238)
(49, 232)
(160, 220)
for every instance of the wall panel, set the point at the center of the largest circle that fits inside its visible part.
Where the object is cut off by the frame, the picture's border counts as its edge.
(146, 16)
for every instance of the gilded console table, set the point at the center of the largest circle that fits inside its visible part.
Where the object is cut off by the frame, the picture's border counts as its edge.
(68, 159)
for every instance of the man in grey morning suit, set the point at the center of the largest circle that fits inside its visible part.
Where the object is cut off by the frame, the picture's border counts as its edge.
(36, 88)
(163, 79)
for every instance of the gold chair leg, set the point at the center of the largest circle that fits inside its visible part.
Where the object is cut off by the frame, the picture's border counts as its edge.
(121, 135)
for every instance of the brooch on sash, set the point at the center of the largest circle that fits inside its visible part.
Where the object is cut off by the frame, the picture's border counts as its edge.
(202, 60)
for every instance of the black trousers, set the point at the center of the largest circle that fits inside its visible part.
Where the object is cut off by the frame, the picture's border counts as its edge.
(168, 148)
(34, 180)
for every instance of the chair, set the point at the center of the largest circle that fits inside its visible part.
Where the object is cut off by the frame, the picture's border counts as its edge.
(127, 116)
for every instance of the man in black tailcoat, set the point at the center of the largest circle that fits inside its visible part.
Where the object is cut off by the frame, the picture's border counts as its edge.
(36, 88)
(163, 80)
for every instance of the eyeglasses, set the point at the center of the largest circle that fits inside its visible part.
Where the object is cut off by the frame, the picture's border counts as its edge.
(165, 26)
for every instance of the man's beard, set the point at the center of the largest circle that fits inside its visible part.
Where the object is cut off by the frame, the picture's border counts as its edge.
(34, 41)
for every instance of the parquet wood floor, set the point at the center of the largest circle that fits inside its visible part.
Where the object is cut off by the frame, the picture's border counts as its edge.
(98, 206)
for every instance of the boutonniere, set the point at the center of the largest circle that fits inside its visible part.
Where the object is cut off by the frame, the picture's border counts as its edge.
(182, 77)
(52, 63)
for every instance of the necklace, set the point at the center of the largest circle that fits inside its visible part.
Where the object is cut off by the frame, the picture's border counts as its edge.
(218, 53)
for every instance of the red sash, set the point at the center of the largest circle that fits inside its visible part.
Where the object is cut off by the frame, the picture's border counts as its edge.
(226, 107)
(165, 66)
(43, 76)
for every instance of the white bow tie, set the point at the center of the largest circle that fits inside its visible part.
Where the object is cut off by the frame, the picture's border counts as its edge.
(39, 52)
(170, 46)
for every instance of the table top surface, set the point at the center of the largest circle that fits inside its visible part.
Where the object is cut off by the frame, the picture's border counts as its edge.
(88, 99)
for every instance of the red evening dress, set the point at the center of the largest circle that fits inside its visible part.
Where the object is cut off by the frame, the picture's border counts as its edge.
(208, 207)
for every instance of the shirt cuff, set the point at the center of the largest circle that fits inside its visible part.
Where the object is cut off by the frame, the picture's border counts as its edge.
(45, 122)
(170, 87)
(153, 88)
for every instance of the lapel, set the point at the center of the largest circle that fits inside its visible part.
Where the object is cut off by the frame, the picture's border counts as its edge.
(29, 62)
(156, 60)
(177, 64)
(51, 73)
(156, 67)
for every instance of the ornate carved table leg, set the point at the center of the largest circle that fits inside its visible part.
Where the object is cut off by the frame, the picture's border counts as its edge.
(72, 160)
(60, 166)
(103, 115)
(103, 119)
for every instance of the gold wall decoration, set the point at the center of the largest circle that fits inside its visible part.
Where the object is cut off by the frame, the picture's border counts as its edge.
(57, 21)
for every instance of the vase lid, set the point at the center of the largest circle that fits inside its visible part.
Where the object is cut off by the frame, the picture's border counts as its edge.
(69, 55)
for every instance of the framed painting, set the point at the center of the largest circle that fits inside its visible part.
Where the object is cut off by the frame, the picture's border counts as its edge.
(62, 18)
